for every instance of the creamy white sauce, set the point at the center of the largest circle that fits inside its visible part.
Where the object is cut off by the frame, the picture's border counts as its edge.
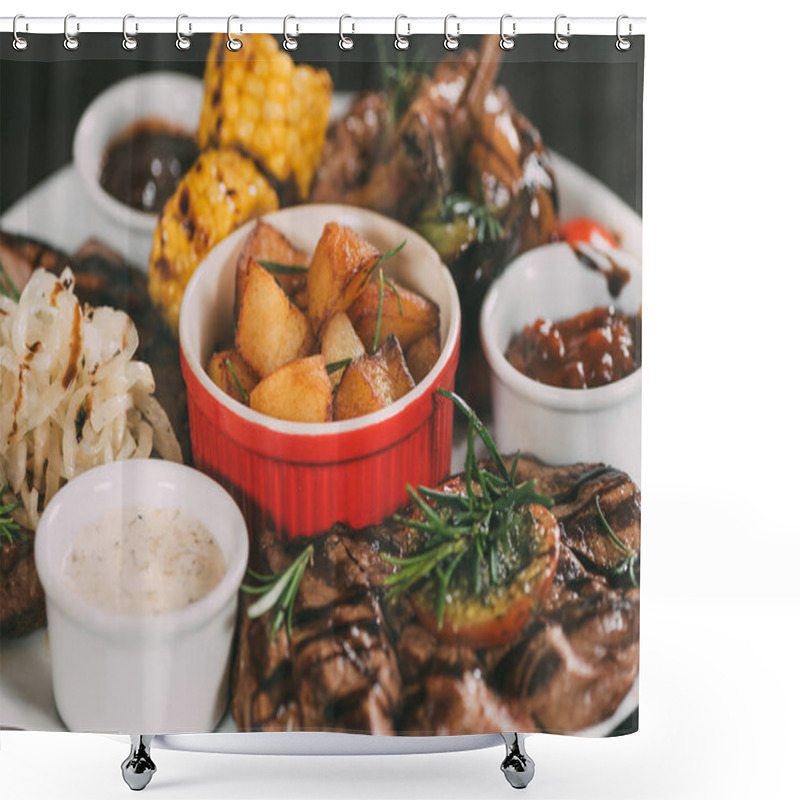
(143, 561)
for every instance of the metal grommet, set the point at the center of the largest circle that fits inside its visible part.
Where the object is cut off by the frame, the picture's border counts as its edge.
(345, 42)
(561, 42)
(289, 42)
(234, 44)
(401, 42)
(20, 42)
(623, 44)
(450, 41)
(129, 42)
(507, 40)
(70, 42)
(182, 42)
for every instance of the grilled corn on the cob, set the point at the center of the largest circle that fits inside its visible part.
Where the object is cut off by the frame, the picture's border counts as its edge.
(221, 191)
(257, 100)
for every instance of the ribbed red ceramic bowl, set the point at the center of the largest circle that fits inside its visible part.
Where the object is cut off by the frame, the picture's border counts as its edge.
(300, 478)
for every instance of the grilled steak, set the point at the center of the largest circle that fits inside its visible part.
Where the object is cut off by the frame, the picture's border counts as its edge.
(358, 662)
(343, 670)
(101, 278)
(21, 255)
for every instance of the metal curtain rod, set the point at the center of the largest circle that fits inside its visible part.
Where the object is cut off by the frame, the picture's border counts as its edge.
(465, 26)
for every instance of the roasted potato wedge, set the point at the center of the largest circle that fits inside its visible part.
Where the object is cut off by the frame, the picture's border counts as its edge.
(422, 355)
(266, 243)
(298, 391)
(372, 382)
(338, 272)
(223, 375)
(271, 331)
(340, 342)
(419, 316)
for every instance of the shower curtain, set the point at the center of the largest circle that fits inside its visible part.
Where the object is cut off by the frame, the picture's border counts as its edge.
(321, 384)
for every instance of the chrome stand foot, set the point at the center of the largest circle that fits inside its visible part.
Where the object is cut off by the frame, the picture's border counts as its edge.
(517, 766)
(138, 768)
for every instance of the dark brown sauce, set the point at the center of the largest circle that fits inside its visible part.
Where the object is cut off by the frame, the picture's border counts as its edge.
(143, 165)
(616, 276)
(594, 348)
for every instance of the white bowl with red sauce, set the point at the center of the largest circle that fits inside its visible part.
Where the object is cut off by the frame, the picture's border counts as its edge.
(556, 424)
(165, 101)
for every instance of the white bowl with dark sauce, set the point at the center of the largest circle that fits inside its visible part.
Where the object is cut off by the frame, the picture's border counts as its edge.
(141, 563)
(133, 143)
(556, 423)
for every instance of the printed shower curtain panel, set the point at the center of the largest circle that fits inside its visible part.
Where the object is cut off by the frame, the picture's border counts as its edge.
(321, 386)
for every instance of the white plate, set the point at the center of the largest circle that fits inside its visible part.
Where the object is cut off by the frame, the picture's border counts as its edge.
(26, 694)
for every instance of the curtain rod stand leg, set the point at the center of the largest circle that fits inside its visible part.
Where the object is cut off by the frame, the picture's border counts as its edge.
(517, 766)
(138, 768)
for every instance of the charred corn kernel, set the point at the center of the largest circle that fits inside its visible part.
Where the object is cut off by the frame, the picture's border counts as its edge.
(259, 101)
(221, 191)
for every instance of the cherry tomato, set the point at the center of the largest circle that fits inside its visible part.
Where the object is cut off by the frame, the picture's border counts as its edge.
(582, 229)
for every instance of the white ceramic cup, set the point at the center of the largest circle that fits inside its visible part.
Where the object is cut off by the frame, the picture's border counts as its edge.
(126, 673)
(168, 96)
(560, 426)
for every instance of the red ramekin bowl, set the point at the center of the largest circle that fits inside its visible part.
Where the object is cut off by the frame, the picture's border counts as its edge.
(298, 479)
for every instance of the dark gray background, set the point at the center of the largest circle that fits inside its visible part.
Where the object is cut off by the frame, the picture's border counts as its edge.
(586, 101)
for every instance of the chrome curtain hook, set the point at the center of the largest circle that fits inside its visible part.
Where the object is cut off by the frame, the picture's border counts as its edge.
(234, 44)
(401, 42)
(289, 42)
(451, 41)
(182, 42)
(623, 43)
(20, 42)
(346, 42)
(70, 42)
(129, 42)
(561, 42)
(507, 41)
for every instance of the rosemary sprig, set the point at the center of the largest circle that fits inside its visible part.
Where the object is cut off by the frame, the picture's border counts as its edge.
(379, 263)
(335, 366)
(383, 282)
(472, 529)
(242, 392)
(9, 528)
(481, 215)
(7, 286)
(628, 562)
(278, 592)
(283, 269)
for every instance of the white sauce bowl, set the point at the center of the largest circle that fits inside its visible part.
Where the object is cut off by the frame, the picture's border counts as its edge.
(168, 96)
(560, 426)
(117, 673)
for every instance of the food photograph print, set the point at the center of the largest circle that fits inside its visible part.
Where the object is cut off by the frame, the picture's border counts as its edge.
(321, 385)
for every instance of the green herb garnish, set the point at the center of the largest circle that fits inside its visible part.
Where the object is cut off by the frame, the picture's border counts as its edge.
(335, 366)
(80, 420)
(474, 528)
(9, 528)
(628, 562)
(7, 286)
(242, 392)
(379, 263)
(384, 281)
(481, 216)
(283, 269)
(278, 592)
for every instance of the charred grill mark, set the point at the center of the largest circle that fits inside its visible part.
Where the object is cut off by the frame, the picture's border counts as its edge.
(307, 616)
(571, 494)
(74, 348)
(369, 627)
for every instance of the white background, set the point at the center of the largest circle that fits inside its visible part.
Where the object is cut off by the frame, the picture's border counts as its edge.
(720, 703)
